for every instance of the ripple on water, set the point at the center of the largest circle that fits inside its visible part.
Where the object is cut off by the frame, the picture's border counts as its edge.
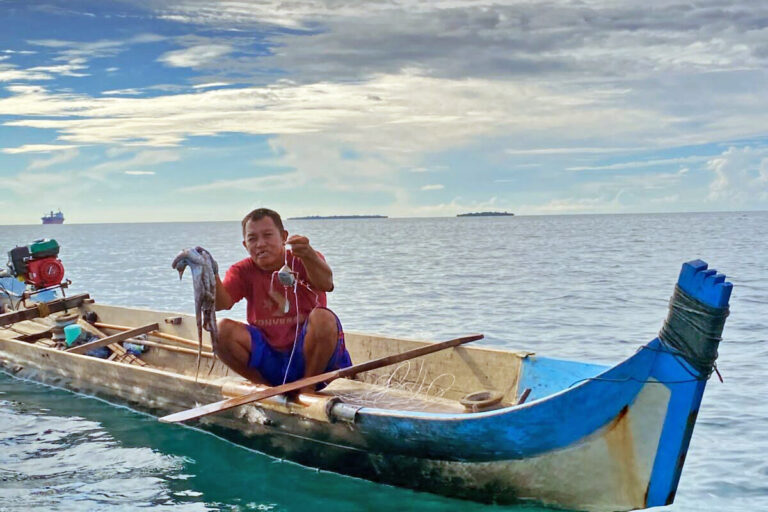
(585, 287)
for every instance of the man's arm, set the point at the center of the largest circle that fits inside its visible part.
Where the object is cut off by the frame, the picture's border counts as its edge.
(223, 299)
(318, 271)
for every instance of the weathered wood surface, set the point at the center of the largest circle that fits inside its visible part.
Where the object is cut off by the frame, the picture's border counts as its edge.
(122, 316)
(43, 309)
(115, 338)
(350, 371)
(464, 370)
(152, 388)
(170, 337)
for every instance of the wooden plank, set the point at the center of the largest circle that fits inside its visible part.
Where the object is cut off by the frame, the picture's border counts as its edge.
(115, 338)
(43, 309)
(157, 334)
(33, 337)
(227, 404)
(172, 348)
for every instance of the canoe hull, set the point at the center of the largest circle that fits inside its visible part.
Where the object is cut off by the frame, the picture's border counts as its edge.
(340, 447)
(609, 439)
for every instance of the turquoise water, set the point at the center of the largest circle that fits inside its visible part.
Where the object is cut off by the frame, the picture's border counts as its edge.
(585, 287)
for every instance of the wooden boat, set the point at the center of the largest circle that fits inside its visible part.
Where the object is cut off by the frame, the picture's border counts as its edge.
(587, 437)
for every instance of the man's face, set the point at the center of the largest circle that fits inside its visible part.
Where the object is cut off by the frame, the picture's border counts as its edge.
(265, 243)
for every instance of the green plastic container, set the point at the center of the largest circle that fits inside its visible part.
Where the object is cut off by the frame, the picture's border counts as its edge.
(72, 333)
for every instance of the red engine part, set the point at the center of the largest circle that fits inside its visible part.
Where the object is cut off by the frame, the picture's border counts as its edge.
(45, 272)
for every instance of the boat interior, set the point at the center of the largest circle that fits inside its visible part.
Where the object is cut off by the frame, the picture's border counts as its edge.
(465, 379)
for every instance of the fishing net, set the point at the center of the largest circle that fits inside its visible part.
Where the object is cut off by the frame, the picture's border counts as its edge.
(407, 387)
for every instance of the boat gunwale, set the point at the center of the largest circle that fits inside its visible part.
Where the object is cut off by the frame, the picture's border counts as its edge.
(437, 416)
(362, 409)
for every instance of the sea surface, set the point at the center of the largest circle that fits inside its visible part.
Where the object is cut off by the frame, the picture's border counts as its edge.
(590, 287)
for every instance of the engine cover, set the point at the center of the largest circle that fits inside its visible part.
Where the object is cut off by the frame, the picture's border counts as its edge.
(45, 272)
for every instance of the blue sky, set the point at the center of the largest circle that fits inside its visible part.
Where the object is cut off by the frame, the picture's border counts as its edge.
(180, 110)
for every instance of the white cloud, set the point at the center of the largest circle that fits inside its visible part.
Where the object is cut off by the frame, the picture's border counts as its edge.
(741, 176)
(639, 164)
(47, 186)
(455, 206)
(575, 205)
(433, 187)
(670, 199)
(69, 69)
(140, 173)
(138, 160)
(255, 184)
(10, 73)
(59, 157)
(195, 56)
(122, 92)
(38, 148)
(415, 113)
(211, 85)
(434, 168)
(570, 151)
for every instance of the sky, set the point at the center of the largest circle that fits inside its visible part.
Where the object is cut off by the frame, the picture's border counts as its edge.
(182, 110)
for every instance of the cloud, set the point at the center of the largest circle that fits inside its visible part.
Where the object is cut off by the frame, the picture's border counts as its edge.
(575, 205)
(47, 186)
(195, 56)
(11, 73)
(639, 164)
(141, 159)
(211, 85)
(433, 168)
(59, 157)
(670, 199)
(122, 92)
(455, 206)
(140, 173)
(38, 148)
(433, 187)
(415, 113)
(67, 50)
(741, 176)
(650, 181)
(69, 69)
(569, 151)
(255, 184)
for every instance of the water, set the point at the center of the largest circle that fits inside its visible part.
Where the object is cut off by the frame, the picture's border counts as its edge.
(585, 287)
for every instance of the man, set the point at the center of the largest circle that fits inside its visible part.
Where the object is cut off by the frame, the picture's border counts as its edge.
(280, 343)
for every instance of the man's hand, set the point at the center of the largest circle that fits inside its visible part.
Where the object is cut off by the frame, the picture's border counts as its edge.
(300, 246)
(318, 271)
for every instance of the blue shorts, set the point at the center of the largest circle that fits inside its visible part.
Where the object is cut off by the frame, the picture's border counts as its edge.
(273, 364)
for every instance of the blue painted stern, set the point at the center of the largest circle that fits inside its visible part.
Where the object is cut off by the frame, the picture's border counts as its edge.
(590, 437)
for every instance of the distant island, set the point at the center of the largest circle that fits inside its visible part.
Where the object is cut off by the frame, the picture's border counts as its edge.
(486, 214)
(321, 217)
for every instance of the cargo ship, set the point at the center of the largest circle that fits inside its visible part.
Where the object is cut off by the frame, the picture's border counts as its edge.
(53, 218)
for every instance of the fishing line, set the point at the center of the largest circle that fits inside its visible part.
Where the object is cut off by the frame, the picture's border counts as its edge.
(677, 356)
(296, 335)
(10, 296)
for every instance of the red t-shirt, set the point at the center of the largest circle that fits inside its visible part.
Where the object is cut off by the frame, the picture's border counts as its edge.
(266, 298)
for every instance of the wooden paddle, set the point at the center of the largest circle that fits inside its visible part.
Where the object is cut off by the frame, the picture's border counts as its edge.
(229, 403)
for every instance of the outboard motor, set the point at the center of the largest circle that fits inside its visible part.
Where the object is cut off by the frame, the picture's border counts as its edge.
(36, 264)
